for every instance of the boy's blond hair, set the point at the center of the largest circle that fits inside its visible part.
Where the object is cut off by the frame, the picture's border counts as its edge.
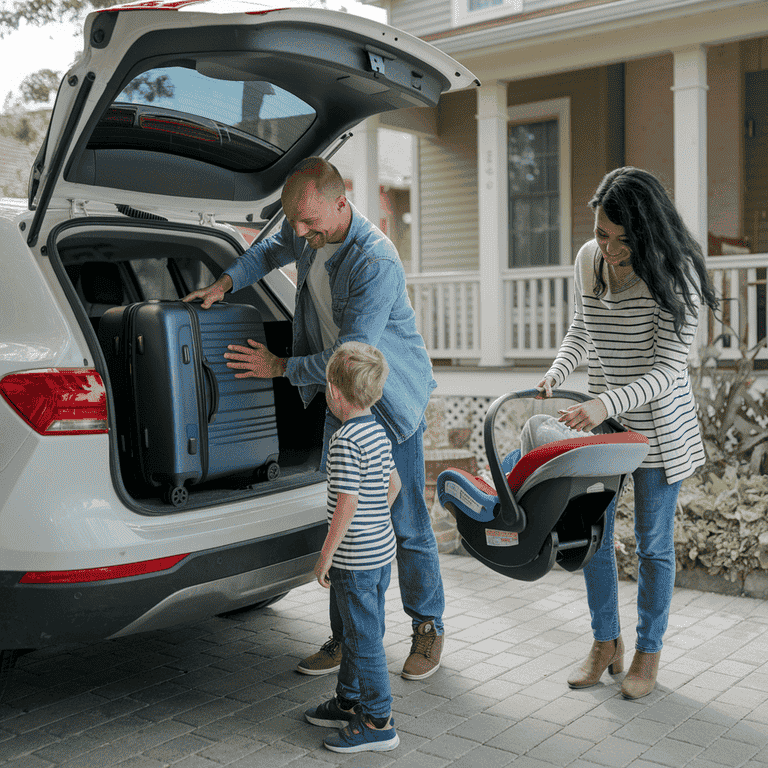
(358, 371)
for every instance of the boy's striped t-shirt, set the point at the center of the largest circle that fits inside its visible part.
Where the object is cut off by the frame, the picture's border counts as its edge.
(360, 463)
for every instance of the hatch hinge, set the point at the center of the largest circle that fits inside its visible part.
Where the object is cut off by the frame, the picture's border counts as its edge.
(377, 62)
(377, 58)
(77, 209)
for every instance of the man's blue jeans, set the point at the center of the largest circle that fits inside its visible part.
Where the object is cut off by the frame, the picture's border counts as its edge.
(421, 585)
(655, 504)
(358, 598)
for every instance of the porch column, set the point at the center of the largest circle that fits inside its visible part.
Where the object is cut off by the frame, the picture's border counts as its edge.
(690, 141)
(493, 237)
(365, 178)
(690, 137)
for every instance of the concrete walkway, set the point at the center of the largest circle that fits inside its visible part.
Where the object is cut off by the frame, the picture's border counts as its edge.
(224, 692)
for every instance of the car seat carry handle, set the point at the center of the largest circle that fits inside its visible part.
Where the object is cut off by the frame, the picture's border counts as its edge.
(511, 513)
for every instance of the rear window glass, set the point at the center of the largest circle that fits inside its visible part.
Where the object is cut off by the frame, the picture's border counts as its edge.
(213, 113)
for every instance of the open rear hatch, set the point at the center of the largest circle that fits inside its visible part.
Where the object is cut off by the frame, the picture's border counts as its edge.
(180, 115)
(187, 108)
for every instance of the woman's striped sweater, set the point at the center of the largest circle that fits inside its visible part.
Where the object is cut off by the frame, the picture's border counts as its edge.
(637, 365)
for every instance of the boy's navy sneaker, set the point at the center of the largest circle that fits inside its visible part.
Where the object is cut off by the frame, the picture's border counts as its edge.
(358, 737)
(330, 715)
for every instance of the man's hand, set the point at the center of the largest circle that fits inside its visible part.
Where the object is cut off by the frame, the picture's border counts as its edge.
(584, 416)
(212, 293)
(256, 361)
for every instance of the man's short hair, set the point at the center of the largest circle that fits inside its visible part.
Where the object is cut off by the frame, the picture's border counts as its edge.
(324, 175)
(358, 371)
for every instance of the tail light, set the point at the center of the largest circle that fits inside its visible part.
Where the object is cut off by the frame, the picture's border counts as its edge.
(58, 401)
(102, 574)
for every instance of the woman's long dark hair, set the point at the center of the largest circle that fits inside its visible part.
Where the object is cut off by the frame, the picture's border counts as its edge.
(663, 251)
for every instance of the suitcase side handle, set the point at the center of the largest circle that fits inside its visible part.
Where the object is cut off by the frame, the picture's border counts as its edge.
(211, 376)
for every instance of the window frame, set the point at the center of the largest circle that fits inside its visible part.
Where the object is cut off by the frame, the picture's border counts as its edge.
(462, 16)
(534, 112)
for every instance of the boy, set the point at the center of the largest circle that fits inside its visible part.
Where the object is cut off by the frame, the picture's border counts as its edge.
(355, 560)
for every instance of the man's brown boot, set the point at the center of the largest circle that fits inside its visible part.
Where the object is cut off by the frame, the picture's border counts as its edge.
(640, 680)
(325, 661)
(608, 654)
(426, 648)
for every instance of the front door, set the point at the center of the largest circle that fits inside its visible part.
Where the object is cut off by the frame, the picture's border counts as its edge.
(756, 159)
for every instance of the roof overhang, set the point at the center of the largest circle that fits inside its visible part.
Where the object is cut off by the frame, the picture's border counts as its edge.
(587, 33)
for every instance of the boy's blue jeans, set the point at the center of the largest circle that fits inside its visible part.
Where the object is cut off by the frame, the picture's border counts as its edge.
(421, 585)
(655, 504)
(357, 597)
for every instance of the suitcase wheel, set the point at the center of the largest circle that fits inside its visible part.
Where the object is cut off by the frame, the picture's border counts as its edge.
(176, 495)
(270, 471)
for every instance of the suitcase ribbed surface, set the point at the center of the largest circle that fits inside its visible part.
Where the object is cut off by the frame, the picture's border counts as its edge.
(245, 419)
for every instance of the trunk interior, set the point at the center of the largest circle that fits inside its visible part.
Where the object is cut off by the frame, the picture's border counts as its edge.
(111, 263)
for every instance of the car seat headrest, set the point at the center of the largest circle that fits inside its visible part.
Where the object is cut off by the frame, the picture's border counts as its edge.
(101, 283)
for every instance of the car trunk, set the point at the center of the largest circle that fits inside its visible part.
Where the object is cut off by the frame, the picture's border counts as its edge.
(178, 115)
(109, 262)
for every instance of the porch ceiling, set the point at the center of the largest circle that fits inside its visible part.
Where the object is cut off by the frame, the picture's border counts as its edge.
(595, 35)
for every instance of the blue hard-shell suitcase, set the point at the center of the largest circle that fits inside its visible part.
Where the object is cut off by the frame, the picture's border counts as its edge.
(182, 416)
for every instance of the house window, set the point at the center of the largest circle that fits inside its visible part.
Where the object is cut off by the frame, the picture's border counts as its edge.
(469, 11)
(539, 188)
(533, 160)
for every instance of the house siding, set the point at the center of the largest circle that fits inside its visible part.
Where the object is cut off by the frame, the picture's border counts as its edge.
(421, 17)
(448, 164)
(427, 17)
(650, 117)
(448, 188)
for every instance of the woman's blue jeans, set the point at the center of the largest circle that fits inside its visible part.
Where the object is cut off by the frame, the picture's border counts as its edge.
(655, 504)
(421, 585)
(358, 597)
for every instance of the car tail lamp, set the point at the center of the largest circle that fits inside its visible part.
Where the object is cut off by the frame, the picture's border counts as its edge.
(102, 574)
(58, 401)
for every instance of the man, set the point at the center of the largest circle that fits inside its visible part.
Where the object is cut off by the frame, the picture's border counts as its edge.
(351, 287)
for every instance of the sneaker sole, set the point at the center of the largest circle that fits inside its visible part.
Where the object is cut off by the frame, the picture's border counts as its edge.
(305, 671)
(373, 746)
(409, 676)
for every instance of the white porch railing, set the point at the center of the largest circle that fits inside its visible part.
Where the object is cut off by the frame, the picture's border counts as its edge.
(447, 307)
(740, 283)
(538, 308)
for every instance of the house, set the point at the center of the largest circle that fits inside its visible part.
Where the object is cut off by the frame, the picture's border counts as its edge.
(501, 174)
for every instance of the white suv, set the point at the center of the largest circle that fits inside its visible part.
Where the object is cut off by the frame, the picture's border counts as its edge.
(178, 120)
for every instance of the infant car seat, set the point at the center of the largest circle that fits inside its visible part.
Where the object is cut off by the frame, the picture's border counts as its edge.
(550, 506)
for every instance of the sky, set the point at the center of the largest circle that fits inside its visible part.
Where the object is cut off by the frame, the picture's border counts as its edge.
(32, 48)
(55, 46)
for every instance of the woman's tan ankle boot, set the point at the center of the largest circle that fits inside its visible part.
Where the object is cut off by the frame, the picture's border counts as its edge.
(640, 680)
(609, 654)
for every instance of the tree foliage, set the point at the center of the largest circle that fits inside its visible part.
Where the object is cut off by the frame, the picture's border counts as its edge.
(148, 89)
(38, 87)
(41, 12)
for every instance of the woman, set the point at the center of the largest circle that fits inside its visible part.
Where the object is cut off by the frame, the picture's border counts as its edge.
(638, 288)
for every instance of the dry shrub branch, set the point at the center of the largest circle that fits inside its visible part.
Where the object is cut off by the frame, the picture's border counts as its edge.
(721, 521)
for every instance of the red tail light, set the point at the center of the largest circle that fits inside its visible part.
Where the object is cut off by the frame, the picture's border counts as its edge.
(58, 401)
(101, 574)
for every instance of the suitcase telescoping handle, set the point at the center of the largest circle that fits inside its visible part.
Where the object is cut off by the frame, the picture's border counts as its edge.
(511, 512)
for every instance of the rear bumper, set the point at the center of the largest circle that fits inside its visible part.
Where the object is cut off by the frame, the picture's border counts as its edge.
(203, 584)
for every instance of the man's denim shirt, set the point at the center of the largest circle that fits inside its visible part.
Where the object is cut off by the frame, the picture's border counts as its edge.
(370, 304)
